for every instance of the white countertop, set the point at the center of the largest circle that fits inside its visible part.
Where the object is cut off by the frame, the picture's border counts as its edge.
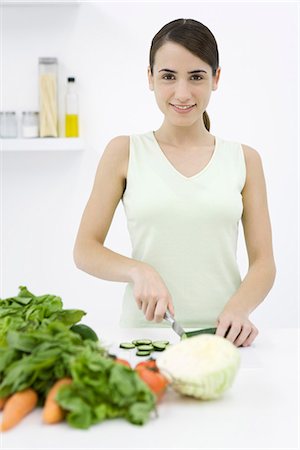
(260, 410)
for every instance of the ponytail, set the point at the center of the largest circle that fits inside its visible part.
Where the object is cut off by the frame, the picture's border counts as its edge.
(206, 121)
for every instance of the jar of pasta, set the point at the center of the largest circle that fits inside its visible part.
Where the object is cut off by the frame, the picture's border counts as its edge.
(48, 97)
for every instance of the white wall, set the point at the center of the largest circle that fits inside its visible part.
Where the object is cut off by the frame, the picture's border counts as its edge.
(106, 46)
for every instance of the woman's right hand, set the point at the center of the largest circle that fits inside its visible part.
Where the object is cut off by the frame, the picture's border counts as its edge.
(151, 293)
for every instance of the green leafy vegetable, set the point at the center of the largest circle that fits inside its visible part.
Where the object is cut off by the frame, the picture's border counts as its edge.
(40, 343)
(26, 312)
(103, 389)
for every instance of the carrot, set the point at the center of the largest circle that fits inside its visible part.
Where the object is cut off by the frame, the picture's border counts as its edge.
(2, 402)
(52, 412)
(18, 406)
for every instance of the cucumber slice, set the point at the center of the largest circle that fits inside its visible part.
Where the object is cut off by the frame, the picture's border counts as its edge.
(142, 353)
(159, 347)
(145, 347)
(143, 342)
(160, 343)
(126, 345)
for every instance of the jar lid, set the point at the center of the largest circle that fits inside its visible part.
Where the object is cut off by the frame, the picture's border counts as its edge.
(47, 60)
(29, 112)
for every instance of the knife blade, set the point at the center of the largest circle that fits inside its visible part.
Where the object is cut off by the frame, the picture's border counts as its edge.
(175, 325)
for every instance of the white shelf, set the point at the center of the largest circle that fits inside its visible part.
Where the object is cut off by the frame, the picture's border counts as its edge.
(41, 144)
(39, 2)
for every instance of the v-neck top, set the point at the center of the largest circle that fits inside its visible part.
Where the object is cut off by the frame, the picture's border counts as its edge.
(186, 228)
(163, 156)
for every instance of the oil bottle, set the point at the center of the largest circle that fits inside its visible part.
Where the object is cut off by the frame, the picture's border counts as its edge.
(72, 122)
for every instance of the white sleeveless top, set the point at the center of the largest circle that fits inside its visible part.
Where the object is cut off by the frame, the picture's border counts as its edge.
(186, 228)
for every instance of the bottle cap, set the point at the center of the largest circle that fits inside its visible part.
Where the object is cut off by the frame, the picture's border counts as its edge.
(71, 79)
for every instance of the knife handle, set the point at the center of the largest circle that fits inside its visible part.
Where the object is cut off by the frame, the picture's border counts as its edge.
(169, 317)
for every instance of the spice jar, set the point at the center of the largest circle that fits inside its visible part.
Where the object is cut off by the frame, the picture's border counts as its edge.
(8, 124)
(48, 97)
(30, 124)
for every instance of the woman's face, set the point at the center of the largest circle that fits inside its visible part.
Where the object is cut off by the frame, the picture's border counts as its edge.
(174, 85)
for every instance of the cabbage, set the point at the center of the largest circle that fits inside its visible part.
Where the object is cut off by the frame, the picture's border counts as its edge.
(202, 366)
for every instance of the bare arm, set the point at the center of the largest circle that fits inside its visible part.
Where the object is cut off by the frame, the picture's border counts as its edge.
(261, 273)
(90, 255)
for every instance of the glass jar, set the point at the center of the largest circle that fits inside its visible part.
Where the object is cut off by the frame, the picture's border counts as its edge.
(48, 93)
(30, 124)
(8, 124)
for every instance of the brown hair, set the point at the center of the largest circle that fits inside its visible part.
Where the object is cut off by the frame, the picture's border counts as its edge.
(196, 38)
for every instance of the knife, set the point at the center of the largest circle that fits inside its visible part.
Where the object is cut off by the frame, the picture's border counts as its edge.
(175, 325)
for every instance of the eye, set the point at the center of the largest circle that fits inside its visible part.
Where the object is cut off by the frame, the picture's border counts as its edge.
(167, 77)
(198, 77)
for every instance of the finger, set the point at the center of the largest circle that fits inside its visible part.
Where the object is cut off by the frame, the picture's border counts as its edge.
(171, 308)
(251, 338)
(243, 336)
(160, 310)
(150, 310)
(233, 332)
(139, 303)
(144, 306)
(222, 328)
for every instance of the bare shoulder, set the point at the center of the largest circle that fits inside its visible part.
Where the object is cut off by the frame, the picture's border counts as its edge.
(251, 155)
(254, 169)
(117, 151)
(119, 142)
(253, 161)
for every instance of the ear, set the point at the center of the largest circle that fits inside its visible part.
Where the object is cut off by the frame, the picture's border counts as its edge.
(216, 79)
(150, 79)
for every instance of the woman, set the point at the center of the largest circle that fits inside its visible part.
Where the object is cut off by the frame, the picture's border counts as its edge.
(184, 191)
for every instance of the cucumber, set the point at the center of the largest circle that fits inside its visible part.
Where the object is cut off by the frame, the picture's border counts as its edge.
(126, 345)
(145, 347)
(142, 342)
(165, 343)
(159, 346)
(84, 331)
(203, 331)
(142, 353)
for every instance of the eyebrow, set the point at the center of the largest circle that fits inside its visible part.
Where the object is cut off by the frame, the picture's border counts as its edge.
(173, 71)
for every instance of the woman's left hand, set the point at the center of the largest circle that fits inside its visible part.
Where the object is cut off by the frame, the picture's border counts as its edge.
(236, 327)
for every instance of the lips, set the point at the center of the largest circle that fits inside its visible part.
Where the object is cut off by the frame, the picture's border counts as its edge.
(182, 110)
(182, 105)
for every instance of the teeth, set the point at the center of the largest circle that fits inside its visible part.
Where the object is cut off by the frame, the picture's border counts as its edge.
(183, 107)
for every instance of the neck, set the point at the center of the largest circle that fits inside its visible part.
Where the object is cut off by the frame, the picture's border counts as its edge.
(178, 136)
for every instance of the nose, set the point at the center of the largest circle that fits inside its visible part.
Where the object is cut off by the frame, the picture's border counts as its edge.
(182, 91)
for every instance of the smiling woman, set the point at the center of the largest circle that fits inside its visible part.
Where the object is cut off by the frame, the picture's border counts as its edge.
(184, 191)
(181, 46)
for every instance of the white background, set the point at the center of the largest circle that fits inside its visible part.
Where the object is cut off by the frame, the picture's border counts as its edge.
(106, 47)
